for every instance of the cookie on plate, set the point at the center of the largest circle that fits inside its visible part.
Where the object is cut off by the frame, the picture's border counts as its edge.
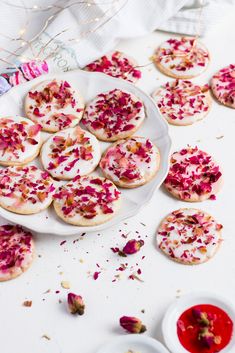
(26, 190)
(70, 152)
(55, 105)
(132, 162)
(182, 102)
(116, 64)
(182, 58)
(223, 86)
(87, 201)
(114, 115)
(16, 251)
(193, 175)
(20, 140)
(189, 236)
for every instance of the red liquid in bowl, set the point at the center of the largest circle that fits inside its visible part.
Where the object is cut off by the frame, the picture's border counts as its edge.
(204, 328)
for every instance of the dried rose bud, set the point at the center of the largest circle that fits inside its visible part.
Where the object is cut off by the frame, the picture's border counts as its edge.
(132, 246)
(132, 324)
(206, 337)
(75, 304)
(201, 317)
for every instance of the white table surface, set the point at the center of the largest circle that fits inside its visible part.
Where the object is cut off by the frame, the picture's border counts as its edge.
(22, 328)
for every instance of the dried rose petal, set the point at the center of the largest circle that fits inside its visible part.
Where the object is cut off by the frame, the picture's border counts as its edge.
(132, 324)
(132, 246)
(96, 275)
(75, 304)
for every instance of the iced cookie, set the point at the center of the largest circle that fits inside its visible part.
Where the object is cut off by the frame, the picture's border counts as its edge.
(87, 201)
(182, 58)
(132, 162)
(193, 175)
(70, 152)
(182, 102)
(55, 105)
(118, 65)
(16, 251)
(189, 236)
(114, 115)
(223, 86)
(20, 140)
(25, 190)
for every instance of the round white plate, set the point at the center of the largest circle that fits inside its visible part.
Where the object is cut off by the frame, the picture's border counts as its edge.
(90, 84)
(134, 343)
(169, 324)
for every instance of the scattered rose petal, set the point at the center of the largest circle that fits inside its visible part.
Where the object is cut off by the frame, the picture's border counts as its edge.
(96, 275)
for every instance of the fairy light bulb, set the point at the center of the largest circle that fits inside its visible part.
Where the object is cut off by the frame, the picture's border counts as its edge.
(22, 31)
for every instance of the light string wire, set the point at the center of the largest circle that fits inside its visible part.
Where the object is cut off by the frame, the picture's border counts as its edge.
(60, 8)
(35, 8)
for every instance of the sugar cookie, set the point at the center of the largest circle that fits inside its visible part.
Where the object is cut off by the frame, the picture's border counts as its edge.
(16, 251)
(70, 152)
(118, 65)
(182, 58)
(87, 201)
(193, 175)
(189, 236)
(20, 140)
(182, 102)
(25, 190)
(55, 105)
(132, 162)
(223, 86)
(114, 115)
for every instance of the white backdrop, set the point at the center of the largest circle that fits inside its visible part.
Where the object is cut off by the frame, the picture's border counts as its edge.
(21, 328)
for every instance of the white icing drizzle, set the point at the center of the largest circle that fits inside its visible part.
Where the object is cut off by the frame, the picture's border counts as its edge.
(185, 57)
(116, 64)
(132, 161)
(223, 85)
(70, 152)
(55, 105)
(181, 102)
(114, 113)
(189, 236)
(26, 189)
(89, 199)
(19, 139)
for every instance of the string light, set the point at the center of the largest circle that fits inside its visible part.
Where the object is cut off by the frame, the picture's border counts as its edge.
(58, 9)
(50, 18)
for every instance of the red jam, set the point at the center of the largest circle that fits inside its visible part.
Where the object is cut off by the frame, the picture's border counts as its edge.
(204, 328)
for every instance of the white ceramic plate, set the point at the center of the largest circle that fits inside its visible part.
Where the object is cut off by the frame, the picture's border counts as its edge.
(169, 324)
(135, 343)
(90, 84)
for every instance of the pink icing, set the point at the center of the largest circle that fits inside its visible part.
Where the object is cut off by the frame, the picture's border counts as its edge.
(192, 172)
(15, 244)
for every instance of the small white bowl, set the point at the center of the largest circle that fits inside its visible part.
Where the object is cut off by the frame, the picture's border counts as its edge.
(169, 324)
(134, 342)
